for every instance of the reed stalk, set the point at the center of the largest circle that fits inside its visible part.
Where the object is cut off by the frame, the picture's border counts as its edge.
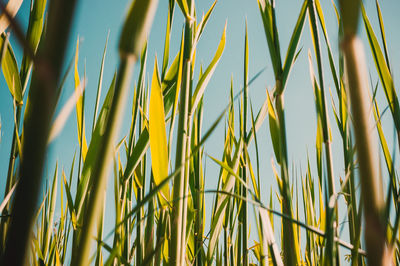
(177, 249)
(132, 39)
(366, 142)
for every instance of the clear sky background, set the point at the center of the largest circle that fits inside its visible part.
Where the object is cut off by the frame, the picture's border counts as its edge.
(93, 20)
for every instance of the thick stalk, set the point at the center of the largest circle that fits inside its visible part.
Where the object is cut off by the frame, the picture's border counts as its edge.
(132, 39)
(186, 194)
(179, 182)
(366, 145)
(177, 248)
(357, 79)
(187, 163)
(81, 255)
(43, 97)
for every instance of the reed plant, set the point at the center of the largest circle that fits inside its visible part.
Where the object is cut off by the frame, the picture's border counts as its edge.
(158, 167)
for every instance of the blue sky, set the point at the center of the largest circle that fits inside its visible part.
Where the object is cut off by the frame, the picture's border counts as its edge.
(94, 18)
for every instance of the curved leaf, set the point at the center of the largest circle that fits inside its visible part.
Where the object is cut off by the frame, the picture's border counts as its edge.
(10, 70)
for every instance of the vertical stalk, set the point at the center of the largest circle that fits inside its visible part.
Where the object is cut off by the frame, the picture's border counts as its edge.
(244, 167)
(226, 247)
(100, 225)
(81, 255)
(42, 97)
(132, 40)
(139, 230)
(239, 234)
(372, 197)
(290, 240)
(198, 197)
(177, 248)
(325, 119)
(140, 192)
(149, 231)
(366, 145)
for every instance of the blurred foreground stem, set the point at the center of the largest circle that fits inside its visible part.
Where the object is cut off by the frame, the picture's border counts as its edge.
(366, 145)
(133, 37)
(42, 101)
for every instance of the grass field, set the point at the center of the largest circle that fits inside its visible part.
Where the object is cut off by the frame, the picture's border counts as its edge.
(156, 170)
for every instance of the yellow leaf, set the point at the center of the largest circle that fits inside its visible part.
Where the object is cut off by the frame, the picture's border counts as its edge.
(79, 106)
(158, 136)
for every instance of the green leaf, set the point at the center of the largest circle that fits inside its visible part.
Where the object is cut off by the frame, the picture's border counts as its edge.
(70, 203)
(267, 15)
(291, 51)
(100, 82)
(382, 30)
(34, 34)
(328, 46)
(383, 71)
(200, 27)
(138, 152)
(93, 149)
(385, 149)
(167, 38)
(205, 78)
(10, 70)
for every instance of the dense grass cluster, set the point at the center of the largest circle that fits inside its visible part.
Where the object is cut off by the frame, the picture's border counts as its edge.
(158, 166)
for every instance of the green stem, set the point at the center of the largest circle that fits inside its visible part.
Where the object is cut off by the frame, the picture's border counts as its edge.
(290, 241)
(198, 200)
(177, 248)
(243, 214)
(325, 118)
(132, 39)
(81, 255)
